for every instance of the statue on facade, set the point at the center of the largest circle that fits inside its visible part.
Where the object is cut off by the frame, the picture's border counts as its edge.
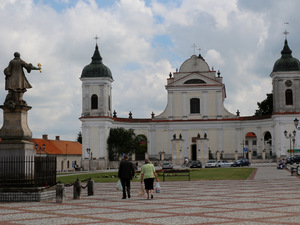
(16, 82)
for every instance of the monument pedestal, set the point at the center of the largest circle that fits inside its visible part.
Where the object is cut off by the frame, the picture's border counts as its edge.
(15, 133)
(18, 149)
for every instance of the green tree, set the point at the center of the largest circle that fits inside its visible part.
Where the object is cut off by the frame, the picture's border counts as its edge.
(140, 144)
(265, 107)
(120, 141)
(79, 137)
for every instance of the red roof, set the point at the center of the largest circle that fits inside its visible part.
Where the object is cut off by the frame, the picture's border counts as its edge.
(57, 147)
(250, 134)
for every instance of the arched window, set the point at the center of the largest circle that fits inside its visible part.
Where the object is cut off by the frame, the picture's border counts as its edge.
(195, 81)
(94, 102)
(289, 97)
(109, 103)
(195, 105)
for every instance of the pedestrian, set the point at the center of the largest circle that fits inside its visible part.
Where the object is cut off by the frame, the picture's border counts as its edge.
(125, 174)
(148, 174)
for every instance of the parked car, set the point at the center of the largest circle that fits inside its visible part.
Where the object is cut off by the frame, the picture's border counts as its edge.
(224, 163)
(293, 159)
(195, 164)
(167, 165)
(211, 164)
(240, 162)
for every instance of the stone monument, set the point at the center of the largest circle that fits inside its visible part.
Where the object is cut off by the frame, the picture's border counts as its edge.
(15, 133)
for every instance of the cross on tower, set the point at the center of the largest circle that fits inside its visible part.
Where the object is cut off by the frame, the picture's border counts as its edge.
(194, 47)
(96, 38)
(285, 32)
(199, 49)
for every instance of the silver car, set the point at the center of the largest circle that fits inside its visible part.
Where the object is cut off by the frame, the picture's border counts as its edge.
(167, 165)
(224, 163)
(211, 164)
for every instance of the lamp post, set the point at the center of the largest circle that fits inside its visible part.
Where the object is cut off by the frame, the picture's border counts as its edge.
(291, 137)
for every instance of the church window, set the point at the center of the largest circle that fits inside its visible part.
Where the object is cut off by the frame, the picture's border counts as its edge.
(195, 81)
(108, 103)
(289, 97)
(94, 102)
(195, 105)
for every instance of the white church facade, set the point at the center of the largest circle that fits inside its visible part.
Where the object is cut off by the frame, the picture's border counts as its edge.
(195, 124)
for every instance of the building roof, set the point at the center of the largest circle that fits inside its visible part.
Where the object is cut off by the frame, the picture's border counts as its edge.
(96, 68)
(56, 147)
(287, 62)
(194, 64)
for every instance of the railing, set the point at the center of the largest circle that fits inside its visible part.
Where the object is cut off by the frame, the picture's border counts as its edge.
(32, 171)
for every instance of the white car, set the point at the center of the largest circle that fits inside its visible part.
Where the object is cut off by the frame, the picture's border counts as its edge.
(211, 163)
(167, 165)
(224, 163)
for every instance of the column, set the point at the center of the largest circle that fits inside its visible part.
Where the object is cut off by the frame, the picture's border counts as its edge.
(218, 155)
(184, 106)
(185, 133)
(220, 105)
(170, 103)
(204, 105)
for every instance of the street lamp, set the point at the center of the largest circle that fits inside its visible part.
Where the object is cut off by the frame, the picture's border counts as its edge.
(291, 137)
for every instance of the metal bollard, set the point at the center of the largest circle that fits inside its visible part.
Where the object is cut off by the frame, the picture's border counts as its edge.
(90, 187)
(76, 189)
(292, 171)
(60, 193)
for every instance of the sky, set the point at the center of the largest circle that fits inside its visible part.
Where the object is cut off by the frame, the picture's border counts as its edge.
(141, 41)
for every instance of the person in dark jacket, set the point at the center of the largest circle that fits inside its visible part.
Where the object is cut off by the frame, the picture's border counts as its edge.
(125, 174)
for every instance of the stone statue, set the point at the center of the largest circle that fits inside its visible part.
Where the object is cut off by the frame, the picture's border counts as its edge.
(16, 82)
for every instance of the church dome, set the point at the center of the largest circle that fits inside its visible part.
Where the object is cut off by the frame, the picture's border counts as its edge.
(96, 68)
(194, 64)
(287, 62)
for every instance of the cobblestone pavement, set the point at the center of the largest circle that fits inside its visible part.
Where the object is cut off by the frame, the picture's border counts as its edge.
(270, 196)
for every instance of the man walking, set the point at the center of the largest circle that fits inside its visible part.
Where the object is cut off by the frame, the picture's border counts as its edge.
(125, 174)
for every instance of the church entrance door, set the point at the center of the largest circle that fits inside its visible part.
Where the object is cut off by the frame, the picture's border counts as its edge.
(194, 152)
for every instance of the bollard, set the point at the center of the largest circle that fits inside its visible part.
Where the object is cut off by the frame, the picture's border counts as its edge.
(60, 193)
(76, 189)
(90, 186)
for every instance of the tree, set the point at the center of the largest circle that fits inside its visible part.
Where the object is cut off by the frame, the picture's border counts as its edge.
(140, 144)
(265, 107)
(120, 141)
(79, 137)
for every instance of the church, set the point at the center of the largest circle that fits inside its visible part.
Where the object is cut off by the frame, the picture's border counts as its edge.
(195, 124)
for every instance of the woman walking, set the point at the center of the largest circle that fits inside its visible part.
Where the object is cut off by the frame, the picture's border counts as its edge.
(148, 174)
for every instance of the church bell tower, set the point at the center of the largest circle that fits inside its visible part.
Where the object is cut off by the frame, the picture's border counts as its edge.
(286, 82)
(96, 87)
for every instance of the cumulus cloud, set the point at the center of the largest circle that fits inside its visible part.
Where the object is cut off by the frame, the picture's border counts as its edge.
(141, 42)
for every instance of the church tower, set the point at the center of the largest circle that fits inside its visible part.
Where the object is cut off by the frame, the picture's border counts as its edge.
(286, 82)
(96, 87)
(96, 107)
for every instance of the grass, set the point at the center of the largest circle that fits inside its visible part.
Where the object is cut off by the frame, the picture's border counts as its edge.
(196, 174)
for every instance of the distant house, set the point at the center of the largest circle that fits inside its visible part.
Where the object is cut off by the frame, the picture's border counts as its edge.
(68, 153)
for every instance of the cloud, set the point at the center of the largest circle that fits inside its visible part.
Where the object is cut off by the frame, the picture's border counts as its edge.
(141, 42)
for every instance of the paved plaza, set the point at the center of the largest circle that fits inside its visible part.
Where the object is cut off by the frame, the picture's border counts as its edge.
(270, 196)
